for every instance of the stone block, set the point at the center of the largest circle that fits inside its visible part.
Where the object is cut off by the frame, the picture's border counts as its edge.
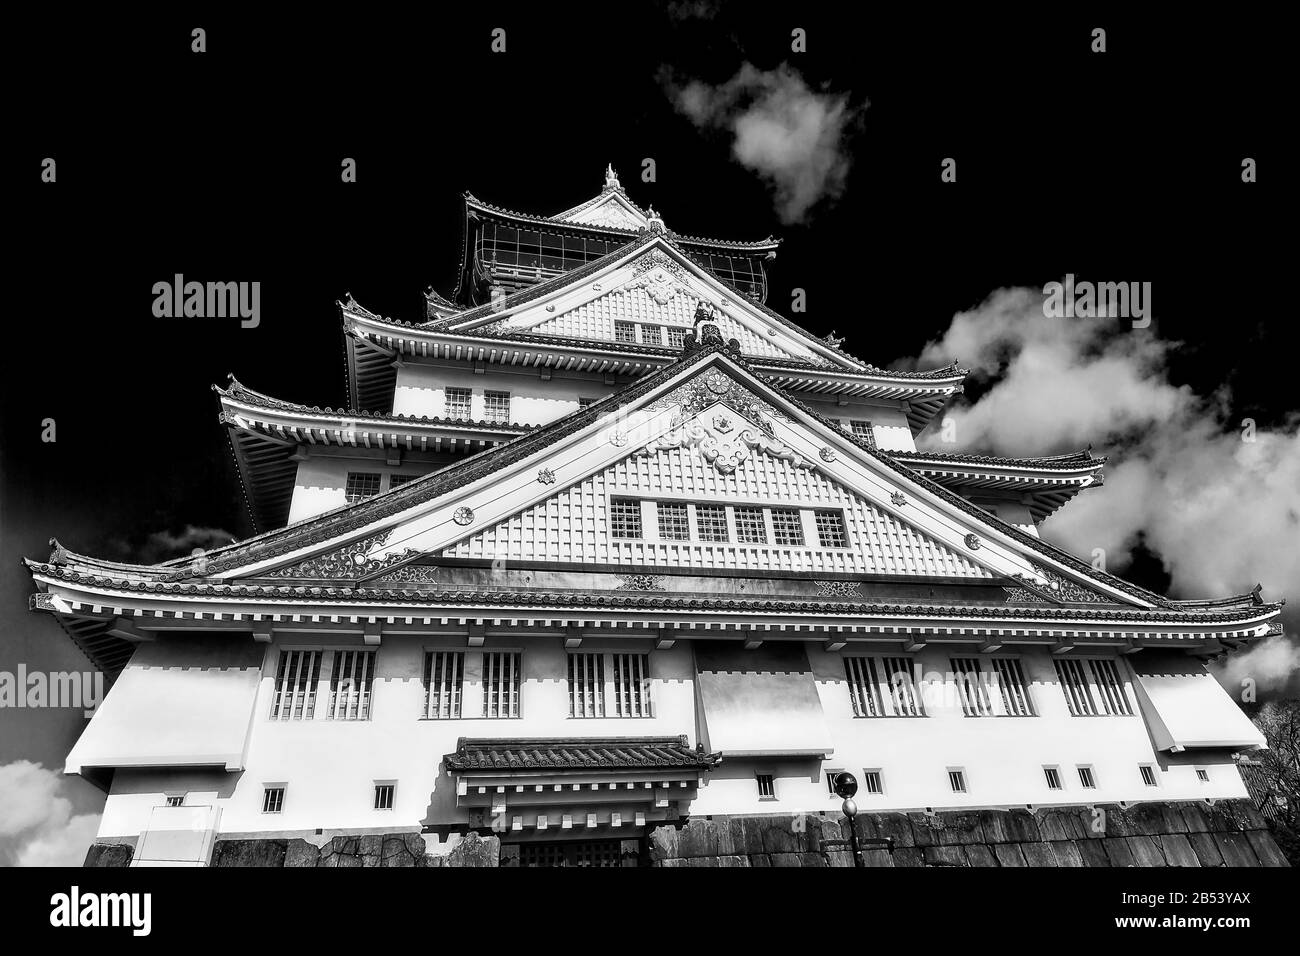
(300, 853)
(509, 855)
(908, 856)
(1119, 851)
(1145, 851)
(925, 828)
(1008, 854)
(1038, 854)
(663, 843)
(1194, 816)
(109, 855)
(895, 826)
(959, 827)
(1066, 853)
(733, 860)
(1236, 849)
(263, 853)
(1092, 852)
(874, 858)
(1266, 848)
(476, 851)
(698, 838)
(1177, 851)
(944, 856)
(785, 859)
(1206, 848)
(979, 855)
(1058, 824)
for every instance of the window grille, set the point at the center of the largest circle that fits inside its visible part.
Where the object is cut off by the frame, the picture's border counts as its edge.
(766, 787)
(383, 796)
(1113, 699)
(396, 481)
(501, 678)
(272, 799)
(444, 675)
(830, 529)
(631, 685)
(863, 688)
(1086, 779)
(863, 431)
(652, 335)
(904, 694)
(673, 524)
(676, 337)
(295, 685)
(496, 407)
(361, 485)
(1148, 775)
(1202, 775)
(970, 688)
(711, 520)
(871, 782)
(1074, 684)
(458, 404)
(1011, 681)
(830, 780)
(787, 529)
(1053, 776)
(625, 518)
(350, 685)
(625, 332)
(749, 526)
(176, 800)
(586, 685)
(957, 780)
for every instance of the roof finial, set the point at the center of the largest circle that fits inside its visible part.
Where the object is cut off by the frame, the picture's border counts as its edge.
(611, 177)
(654, 220)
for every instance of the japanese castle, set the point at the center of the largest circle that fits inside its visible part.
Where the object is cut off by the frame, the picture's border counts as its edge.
(602, 543)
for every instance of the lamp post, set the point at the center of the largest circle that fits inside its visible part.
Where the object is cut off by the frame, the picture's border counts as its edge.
(846, 785)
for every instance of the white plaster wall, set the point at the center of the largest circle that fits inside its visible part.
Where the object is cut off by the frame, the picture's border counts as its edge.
(322, 478)
(888, 422)
(421, 390)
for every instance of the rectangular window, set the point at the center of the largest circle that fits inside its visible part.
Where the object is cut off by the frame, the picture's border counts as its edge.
(396, 481)
(295, 685)
(860, 429)
(830, 780)
(673, 524)
(871, 782)
(496, 407)
(652, 335)
(1202, 775)
(350, 685)
(1074, 683)
(1148, 774)
(1053, 777)
(766, 787)
(903, 692)
(971, 691)
(676, 337)
(711, 520)
(787, 529)
(1086, 779)
(272, 799)
(749, 526)
(625, 332)
(863, 688)
(361, 485)
(957, 780)
(501, 677)
(830, 529)
(458, 404)
(632, 685)
(1113, 699)
(1011, 681)
(384, 796)
(444, 675)
(584, 402)
(624, 518)
(178, 799)
(586, 685)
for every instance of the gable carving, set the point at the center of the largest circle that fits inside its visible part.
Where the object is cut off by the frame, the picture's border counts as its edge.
(724, 453)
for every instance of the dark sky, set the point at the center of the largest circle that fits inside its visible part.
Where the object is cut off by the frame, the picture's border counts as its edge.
(225, 166)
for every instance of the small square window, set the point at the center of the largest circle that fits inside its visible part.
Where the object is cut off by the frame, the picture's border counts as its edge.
(749, 526)
(1148, 774)
(458, 404)
(1086, 779)
(396, 481)
(830, 529)
(1053, 776)
(625, 332)
(787, 528)
(830, 779)
(625, 518)
(496, 407)
(384, 796)
(1202, 775)
(272, 799)
(175, 799)
(361, 485)
(673, 524)
(957, 780)
(676, 337)
(652, 335)
(872, 782)
(711, 520)
(766, 787)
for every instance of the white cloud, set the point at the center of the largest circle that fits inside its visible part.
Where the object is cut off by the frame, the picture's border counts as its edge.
(791, 135)
(1223, 514)
(37, 825)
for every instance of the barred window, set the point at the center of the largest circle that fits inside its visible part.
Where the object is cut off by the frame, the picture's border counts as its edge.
(272, 799)
(676, 337)
(1202, 774)
(872, 782)
(384, 796)
(501, 677)
(1053, 777)
(652, 335)
(632, 685)
(787, 529)
(1086, 779)
(586, 685)
(1011, 681)
(396, 481)
(361, 485)
(749, 526)
(830, 529)
(295, 685)
(971, 691)
(903, 692)
(625, 518)
(766, 786)
(1074, 684)
(864, 690)
(1113, 699)
(673, 524)
(957, 780)
(178, 799)
(711, 520)
(1148, 774)
(350, 685)
(496, 406)
(625, 332)
(861, 429)
(458, 404)
(444, 676)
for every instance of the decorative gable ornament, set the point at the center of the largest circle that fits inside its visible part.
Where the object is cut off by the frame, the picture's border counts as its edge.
(1057, 589)
(723, 450)
(351, 561)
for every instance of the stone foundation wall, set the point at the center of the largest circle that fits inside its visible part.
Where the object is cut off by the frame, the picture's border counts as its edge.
(383, 849)
(1229, 833)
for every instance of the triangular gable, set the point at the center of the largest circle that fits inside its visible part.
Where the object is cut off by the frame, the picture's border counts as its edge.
(654, 287)
(669, 425)
(611, 210)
